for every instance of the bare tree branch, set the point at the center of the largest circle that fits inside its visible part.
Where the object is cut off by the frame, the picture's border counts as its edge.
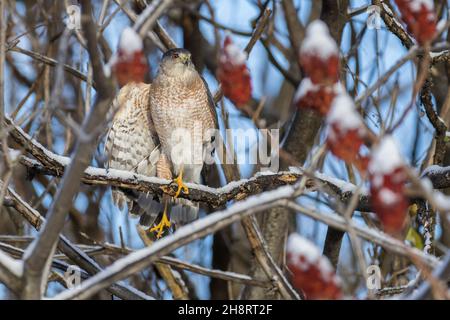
(442, 272)
(107, 248)
(11, 271)
(71, 251)
(52, 62)
(38, 254)
(140, 259)
(150, 15)
(370, 234)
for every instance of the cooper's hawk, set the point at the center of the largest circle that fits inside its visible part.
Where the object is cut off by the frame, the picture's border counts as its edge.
(185, 120)
(165, 129)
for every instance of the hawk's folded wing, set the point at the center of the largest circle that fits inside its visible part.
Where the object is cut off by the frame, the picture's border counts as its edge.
(132, 143)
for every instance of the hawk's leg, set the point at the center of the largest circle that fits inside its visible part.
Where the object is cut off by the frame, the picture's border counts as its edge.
(181, 186)
(163, 224)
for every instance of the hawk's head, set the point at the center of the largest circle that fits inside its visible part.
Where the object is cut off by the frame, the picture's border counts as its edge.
(177, 63)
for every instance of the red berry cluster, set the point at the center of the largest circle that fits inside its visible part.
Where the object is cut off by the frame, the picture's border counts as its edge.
(346, 132)
(319, 59)
(419, 17)
(130, 68)
(233, 74)
(129, 64)
(316, 97)
(311, 273)
(387, 182)
(321, 70)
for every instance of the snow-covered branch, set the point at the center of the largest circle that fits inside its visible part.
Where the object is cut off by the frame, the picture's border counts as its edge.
(52, 164)
(370, 234)
(140, 259)
(442, 272)
(215, 197)
(11, 271)
(123, 291)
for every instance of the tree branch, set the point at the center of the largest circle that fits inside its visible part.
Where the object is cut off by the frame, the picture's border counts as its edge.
(10, 272)
(393, 24)
(71, 251)
(386, 241)
(140, 259)
(55, 165)
(38, 254)
(107, 248)
(441, 272)
(53, 63)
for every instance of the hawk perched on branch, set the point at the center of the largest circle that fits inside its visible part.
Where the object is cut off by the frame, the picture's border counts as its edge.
(166, 129)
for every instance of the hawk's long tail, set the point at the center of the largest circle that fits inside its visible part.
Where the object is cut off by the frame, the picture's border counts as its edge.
(184, 211)
(146, 207)
(149, 208)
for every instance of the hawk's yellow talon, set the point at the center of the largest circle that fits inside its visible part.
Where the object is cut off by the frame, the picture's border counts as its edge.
(162, 225)
(181, 186)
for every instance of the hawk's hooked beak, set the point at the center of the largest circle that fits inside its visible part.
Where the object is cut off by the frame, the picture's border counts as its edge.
(185, 58)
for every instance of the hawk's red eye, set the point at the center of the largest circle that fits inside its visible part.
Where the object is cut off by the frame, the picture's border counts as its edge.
(175, 55)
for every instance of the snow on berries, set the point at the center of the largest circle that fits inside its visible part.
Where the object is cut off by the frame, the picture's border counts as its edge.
(419, 17)
(387, 173)
(311, 272)
(317, 97)
(319, 54)
(319, 59)
(233, 74)
(129, 64)
(346, 131)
